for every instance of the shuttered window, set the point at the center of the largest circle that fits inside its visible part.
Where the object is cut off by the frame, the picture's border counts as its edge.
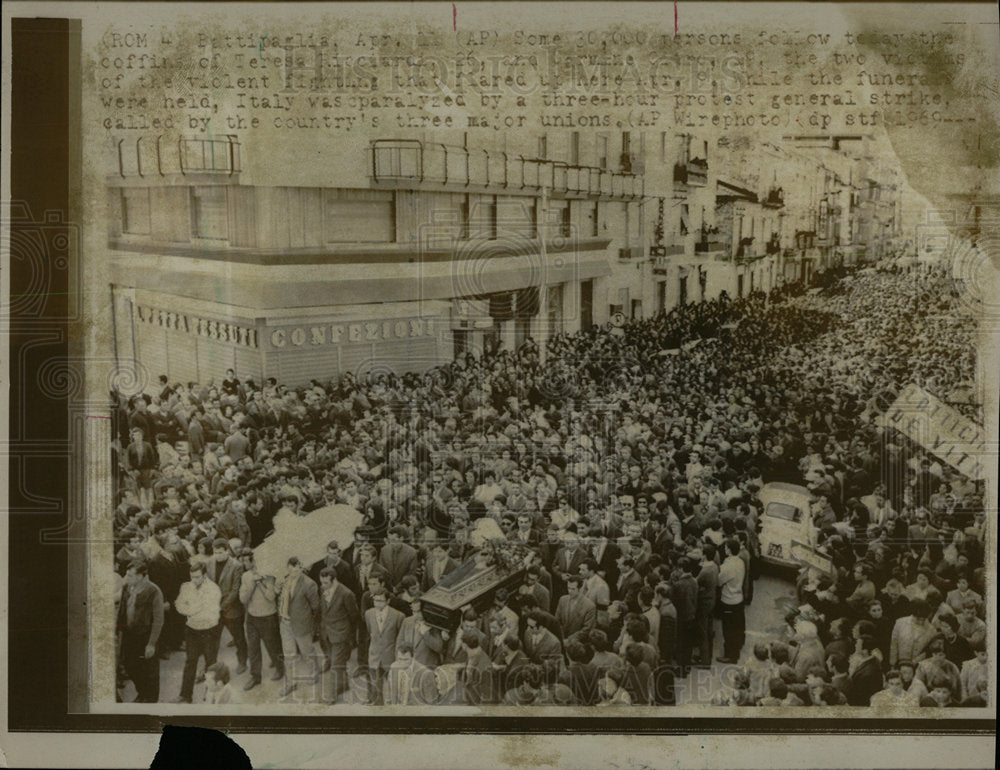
(209, 213)
(358, 216)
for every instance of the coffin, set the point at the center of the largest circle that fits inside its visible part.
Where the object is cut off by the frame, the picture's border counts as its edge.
(470, 583)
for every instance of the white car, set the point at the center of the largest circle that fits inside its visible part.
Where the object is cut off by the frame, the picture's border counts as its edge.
(786, 522)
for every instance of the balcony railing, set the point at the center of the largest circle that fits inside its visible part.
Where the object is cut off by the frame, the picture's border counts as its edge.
(148, 156)
(633, 252)
(694, 173)
(775, 198)
(704, 246)
(697, 172)
(411, 163)
(669, 250)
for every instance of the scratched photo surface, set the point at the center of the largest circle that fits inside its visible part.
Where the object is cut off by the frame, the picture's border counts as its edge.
(592, 359)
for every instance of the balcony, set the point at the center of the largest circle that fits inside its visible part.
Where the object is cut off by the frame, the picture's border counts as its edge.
(413, 164)
(773, 246)
(697, 172)
(774, 199)
(148, 156)
(631, 253)
(661, 256)
(670, 250)
(707, 246)
(632, 163)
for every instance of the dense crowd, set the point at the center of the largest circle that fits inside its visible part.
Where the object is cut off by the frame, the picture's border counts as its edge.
(628, 466)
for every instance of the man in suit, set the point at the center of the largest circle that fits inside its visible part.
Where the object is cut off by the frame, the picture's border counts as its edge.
(298, 608)
(866, 674)
(437, 564)
(424, 641)
(575, 612)
(524, 533)
(140, 418)
(142, 460)
(567, 562)
(364, 567)
(397, 558)
(580, 676)
(409, 682)
(606, 553)
(237, 445)
(540, 644)
(533, 589)
(334, 560)
(509, 663)
(227, 573)
(708, 582)
(628, 579)
(456, 652)
(233, 523)
(140, 619)
(921, 532)
(383, 624)
(339, 623)
(478, 670)
(169, 571)
(594, 586)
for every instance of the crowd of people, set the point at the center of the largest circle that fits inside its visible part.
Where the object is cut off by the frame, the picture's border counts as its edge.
(626, 465)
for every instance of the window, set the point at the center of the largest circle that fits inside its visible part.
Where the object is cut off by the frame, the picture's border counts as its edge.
(464, 219)
(559, 215)
(209, 213)
(663, 147)
(626, 143)
(358, 216)
(784, 511)
(602, 150)
(574, 148)
(135, 211)
(492, 218)
(565, 224)
(543, 146)
(595, 220)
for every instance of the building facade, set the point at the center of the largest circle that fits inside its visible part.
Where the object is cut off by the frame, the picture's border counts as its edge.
(425, 246)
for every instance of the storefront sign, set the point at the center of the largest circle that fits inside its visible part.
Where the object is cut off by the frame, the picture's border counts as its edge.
(349, 333)
(220, 331)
